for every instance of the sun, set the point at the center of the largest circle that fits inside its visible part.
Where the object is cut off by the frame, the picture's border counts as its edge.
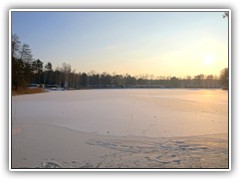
(208, 59)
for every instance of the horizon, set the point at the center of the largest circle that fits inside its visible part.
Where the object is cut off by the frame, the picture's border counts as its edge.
(156, 43)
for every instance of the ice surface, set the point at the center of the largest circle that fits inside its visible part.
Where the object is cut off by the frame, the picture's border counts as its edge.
(124, 112)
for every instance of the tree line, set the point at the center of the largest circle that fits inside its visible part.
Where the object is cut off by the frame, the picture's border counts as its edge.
(28, 71)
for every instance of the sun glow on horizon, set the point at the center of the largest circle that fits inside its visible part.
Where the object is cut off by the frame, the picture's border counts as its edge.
(208, 59)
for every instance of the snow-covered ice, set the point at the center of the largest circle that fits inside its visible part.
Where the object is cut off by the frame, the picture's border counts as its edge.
(121, 128)
(138, 112)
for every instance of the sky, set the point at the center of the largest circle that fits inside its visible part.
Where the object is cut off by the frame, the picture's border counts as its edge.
(137, 43)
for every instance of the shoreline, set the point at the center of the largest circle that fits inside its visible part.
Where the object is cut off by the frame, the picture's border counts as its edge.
(28, 91)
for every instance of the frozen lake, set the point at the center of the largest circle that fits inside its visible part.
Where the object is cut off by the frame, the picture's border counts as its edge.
(128, 112)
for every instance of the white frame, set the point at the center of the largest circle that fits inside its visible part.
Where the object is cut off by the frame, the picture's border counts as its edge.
(122, 10)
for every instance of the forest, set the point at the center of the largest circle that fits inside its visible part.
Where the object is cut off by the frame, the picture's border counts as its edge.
(27, 72)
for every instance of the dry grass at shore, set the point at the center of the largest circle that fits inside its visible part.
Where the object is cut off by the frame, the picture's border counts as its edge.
(22, 91)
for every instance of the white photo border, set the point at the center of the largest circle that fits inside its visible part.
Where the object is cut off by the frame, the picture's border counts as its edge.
(124, 10)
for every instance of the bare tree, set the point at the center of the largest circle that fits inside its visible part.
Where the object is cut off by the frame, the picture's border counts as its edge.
(226, 15)
(25, 53)
(66, 69)
(25, 59)
(15, 45)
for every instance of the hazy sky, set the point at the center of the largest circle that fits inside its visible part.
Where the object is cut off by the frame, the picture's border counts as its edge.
(159, 43)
